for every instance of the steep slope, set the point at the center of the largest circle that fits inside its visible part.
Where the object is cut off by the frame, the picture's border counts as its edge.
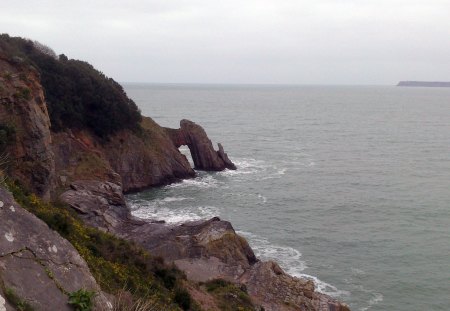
(25, 126)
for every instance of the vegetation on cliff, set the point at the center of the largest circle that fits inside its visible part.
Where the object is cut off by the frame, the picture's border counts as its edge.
(116, 264)
(78, 96)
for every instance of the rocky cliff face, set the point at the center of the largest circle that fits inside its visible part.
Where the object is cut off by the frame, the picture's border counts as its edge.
(204, 250)
(126, 158)
(47, 162)
(37, 265)
(23, 112)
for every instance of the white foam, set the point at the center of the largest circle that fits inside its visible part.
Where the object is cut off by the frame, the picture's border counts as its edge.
(153, 210)
(2, 303)
(246, 166)
(290, 260)
(324, 287)
(375, 298)
(281, 171)
(174, 199)
(202, 182)
(263, 198)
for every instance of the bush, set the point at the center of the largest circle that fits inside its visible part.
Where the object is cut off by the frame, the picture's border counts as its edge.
(81, 300)
(230, 296)
(7, 136)
(182, 298)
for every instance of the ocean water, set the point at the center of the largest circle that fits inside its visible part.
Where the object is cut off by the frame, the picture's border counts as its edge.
(349, 186)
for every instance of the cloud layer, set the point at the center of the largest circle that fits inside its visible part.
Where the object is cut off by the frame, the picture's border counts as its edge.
(264, 41)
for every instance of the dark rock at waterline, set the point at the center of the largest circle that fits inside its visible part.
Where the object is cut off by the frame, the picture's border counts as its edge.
(202, 151)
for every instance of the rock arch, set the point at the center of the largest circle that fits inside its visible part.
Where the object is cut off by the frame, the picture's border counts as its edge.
(202, 151)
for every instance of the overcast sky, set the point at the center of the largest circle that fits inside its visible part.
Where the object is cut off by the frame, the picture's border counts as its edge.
(244, 41)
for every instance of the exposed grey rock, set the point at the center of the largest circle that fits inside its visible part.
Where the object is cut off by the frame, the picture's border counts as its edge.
(100, 204)
(37, 263)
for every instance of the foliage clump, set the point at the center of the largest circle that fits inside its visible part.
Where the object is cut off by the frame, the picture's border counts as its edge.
(81, 300)
(230, 297)
(78, 95)
(7, 136)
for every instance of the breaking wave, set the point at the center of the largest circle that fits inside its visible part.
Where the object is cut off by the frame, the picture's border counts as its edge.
(289, 259)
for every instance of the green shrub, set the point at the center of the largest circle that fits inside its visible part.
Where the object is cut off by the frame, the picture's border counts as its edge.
(81, 300)
(182, 298)
(78, 96)
(230, 296)
(7, 136)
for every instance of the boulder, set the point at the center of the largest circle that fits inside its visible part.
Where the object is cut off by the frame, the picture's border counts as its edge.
(37, 264)
(101, 205)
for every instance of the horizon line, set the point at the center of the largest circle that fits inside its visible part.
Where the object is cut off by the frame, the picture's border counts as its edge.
(250, 84)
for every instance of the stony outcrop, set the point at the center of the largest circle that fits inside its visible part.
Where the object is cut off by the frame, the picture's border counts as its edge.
(202, 151)
(132, 161)
(204, 250)
(37, 264)
(148, 160)
(23, 110)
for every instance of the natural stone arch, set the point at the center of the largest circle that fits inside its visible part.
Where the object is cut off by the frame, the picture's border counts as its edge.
(202, 151)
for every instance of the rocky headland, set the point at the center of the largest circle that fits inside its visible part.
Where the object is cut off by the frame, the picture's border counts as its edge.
(61, 159)
(424, 84)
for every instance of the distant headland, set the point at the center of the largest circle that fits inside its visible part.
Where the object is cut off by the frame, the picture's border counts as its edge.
(423, 84)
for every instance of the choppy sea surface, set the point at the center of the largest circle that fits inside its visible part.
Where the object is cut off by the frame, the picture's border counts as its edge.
(349, 186)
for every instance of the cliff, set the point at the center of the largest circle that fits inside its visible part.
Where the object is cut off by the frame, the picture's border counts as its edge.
(423, 84)
(25, 125)
(57, 145)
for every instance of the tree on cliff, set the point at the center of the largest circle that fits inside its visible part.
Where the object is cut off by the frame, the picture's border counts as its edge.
(78, 96)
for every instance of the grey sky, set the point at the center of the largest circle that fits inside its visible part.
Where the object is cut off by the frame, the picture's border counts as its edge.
(245, 41)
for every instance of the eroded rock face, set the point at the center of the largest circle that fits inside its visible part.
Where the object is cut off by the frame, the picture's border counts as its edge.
(204, 250)
(99, 204)
(148, 160)
(200, 146)
(23, 109)
(36, 263)
(134, 162)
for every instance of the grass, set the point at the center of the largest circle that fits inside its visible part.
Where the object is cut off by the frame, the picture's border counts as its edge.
(114, 263)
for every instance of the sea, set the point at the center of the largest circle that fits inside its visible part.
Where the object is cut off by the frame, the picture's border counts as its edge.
(346, 185)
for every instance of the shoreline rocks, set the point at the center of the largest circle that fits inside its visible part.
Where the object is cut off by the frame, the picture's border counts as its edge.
(204, 250)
